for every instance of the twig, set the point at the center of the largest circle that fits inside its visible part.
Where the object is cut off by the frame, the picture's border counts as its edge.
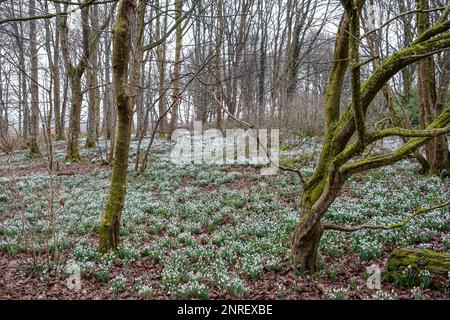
(332, 226)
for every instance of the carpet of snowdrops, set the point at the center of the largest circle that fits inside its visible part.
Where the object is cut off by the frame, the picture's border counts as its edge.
(204, 228)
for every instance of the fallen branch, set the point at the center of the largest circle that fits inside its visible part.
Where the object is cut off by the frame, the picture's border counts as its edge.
(332, 226)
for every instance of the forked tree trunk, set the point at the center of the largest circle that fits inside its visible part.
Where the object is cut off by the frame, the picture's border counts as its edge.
(337, 160)
(306, 237)
(75, 73)
(110, 222)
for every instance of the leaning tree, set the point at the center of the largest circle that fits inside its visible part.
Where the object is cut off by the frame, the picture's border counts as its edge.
(347, 134)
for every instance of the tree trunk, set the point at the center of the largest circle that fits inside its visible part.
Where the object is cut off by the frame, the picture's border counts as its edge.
(161, 63)
(34, 87)
(137, 66)
(176, 93)
(236, 63)
(64, 105)
(59, 129)
(337, 159)
(218, 66)
(75, 73)
(23, 83)
(306, 237)
(430, 105)
(72, 153)
(110, 222)
(305, 244)
(93, 96)
(441, 156)
(260, 107)
(107, 105)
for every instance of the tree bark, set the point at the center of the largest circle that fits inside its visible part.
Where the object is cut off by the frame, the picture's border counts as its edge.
(23, 83)
(441, 154)
(34, 86)
(305, 247)
(72, 153)
(429, 106)
(75, 73)
(161, 63)
(93, 94)
(108, 112)
(334, 165)
(110, 222)
(436, 263)
(176, 93)
(59, 129)
(218, 65)
(137, 67)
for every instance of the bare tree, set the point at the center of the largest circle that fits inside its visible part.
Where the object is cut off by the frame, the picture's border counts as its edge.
(338, 157)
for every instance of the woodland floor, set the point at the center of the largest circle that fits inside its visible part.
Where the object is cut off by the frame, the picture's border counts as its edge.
(204, 231)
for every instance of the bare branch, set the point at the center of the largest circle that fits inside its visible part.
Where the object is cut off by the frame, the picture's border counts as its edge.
(332, 226)
(54, 15)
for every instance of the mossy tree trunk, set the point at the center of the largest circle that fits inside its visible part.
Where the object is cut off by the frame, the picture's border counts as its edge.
(110, 222)
(337, 160)
(306, 237)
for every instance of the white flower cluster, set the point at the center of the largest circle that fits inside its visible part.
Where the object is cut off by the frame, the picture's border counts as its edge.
(383, 295)
(118, 283)
(338, 293)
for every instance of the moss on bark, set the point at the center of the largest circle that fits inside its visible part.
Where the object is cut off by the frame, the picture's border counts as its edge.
(409, 266)
(334, 167)
(110, 221)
